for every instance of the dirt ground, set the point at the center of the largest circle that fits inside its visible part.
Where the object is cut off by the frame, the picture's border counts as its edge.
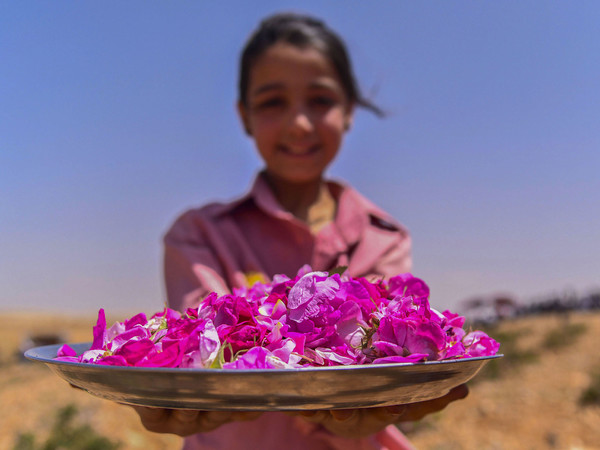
(529, 400)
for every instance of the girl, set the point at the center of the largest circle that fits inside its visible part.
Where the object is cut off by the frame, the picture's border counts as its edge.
(297, 96)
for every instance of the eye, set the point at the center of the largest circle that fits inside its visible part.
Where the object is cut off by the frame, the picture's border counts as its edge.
(323, 101)
(269, 103)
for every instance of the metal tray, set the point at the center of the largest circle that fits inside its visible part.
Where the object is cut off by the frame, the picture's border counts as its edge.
(338, 387)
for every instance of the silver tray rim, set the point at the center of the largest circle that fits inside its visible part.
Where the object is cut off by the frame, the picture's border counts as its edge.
(41, 354)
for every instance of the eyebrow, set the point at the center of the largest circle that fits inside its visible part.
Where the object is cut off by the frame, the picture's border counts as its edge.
(267, 87)
(277, 86)
(323, 85)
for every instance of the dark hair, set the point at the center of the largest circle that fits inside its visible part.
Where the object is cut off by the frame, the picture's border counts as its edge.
(301, 31)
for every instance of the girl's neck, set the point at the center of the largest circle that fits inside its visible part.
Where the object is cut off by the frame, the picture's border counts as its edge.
(297, 198)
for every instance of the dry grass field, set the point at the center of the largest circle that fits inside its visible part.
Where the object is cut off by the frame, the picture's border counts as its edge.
(531, 399)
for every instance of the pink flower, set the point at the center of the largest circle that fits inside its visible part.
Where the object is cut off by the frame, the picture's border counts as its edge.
(413, 358)
(255, 358)
(406, 285)
(313, 319)
(351, 326)
(407, 327)
(99, 331)
(477, 343)
(203, 349)
(66, 350)
(309, 293)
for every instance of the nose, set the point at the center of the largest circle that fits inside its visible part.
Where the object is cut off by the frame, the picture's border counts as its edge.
(301, 122)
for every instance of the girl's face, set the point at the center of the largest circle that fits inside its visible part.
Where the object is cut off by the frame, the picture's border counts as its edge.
(296, 111)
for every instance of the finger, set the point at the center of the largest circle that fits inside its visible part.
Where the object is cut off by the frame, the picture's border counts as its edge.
(416, 411)
(342, 415)
(151, 414)
(385, 414)
(459, 392)
(245, 416)
(184, 417)
(396, 410)
(186, 422)
(316, 416)
(211, 420)
(153, 419)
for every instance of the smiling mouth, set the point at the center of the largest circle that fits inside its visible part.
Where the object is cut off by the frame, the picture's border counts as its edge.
(304, 151)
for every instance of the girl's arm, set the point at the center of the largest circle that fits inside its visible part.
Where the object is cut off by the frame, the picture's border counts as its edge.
(192, 270)
(191, 267)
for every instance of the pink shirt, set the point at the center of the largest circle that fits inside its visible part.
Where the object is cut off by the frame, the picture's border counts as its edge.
(213, 248)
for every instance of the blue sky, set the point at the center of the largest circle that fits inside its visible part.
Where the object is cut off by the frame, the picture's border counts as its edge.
(117, 116)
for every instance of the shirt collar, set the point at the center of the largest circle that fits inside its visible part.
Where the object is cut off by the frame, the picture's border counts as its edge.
(263, 197)
(351, 219)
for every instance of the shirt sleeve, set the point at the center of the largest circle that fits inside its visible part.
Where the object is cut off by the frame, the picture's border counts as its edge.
(384, 250)
(396, 256)
(397, 259)
(191, 268)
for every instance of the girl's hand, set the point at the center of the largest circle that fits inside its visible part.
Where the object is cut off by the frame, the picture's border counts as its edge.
(359, 423)
(353, 423)
(184, 422)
